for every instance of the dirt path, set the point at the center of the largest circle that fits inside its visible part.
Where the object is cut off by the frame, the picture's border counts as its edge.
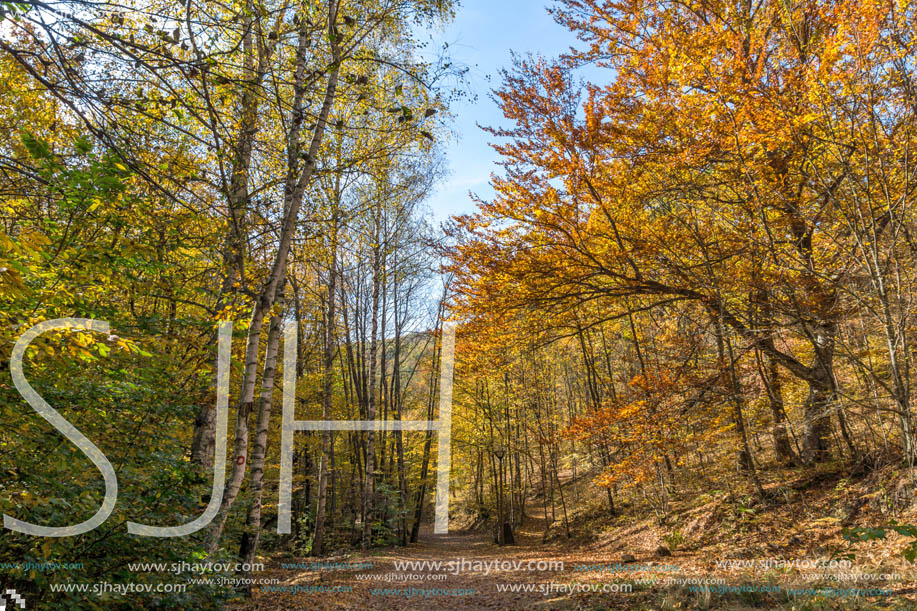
(494, 577)
(386, 587)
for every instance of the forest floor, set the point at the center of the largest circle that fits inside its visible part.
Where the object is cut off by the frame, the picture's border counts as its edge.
(801, 524)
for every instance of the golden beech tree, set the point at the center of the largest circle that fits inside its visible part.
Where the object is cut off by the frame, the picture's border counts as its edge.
(749, 160)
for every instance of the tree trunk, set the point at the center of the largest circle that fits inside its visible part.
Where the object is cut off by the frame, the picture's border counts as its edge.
(252, 535)
(318, 540)
(369, 491)
(818, 404)
(428, 442)
(770, 377)
(236, 191)
(294, 189)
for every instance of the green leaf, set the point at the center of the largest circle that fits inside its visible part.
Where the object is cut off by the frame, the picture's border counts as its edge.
(37, 148)
(82, 145)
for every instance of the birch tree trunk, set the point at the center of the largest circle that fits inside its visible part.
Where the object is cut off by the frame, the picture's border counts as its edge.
(299, 173)
(369, 482)
(257, 58)
(251, 537)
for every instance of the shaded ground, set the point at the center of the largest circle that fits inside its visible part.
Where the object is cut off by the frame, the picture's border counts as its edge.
(801, 521)
(473, 547)
(376, 591)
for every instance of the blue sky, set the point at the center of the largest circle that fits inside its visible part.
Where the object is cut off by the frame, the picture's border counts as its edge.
(482, 37)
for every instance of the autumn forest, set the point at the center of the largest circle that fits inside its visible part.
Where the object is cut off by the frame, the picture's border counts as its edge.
(662, 360)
